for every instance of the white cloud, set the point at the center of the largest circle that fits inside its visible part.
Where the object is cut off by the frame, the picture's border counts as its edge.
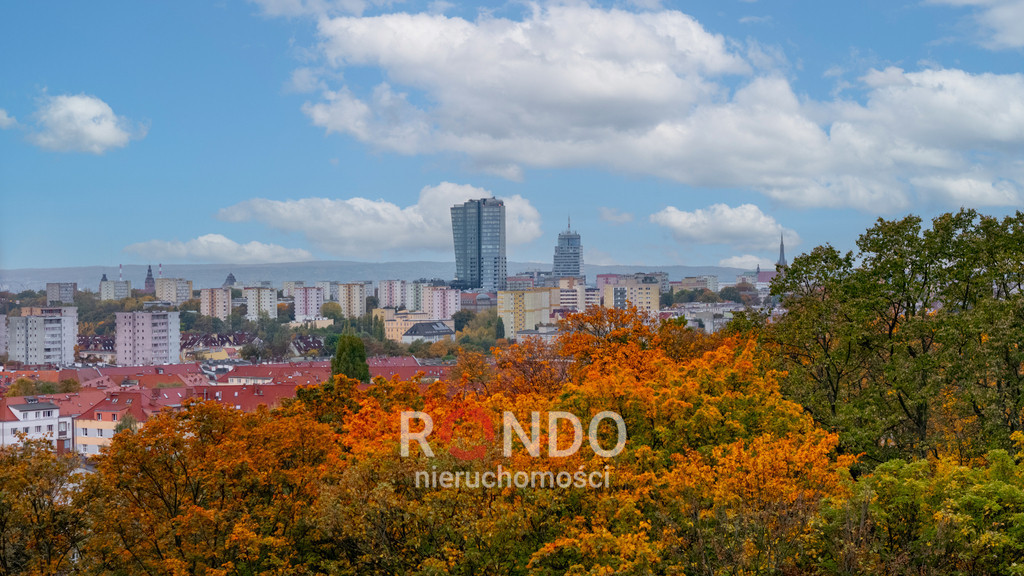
(215, 248)
(82, 123)
(359, 227)
(6, 121)
(973, 192)
(614, 216)
(747, 262)
(755, 19)
(1000, 23)
(744, 226)
(654, 93)
(304, 81)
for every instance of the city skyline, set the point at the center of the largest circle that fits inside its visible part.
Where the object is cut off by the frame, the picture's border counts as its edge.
(269, 131)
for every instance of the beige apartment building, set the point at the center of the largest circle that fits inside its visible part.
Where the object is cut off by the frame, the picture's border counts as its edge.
(525, 309)
(173, 290)
(215, 302)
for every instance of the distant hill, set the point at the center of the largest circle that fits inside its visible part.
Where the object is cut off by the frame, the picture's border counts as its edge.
(213, 275)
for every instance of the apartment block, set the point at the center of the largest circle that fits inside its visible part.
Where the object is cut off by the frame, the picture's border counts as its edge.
(115, 289)
(576, 296)
(147, 338)
(644, 293)
(440, 302)
(288, 287)
(215, 302)
(525, 309)
(61, 292)
(173, 290)
(43, 335)
(352, 298)
(391, 294)
(308, 302)
(260, 299)
(3, 334)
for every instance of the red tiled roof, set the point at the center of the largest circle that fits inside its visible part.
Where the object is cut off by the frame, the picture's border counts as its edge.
(249, 397)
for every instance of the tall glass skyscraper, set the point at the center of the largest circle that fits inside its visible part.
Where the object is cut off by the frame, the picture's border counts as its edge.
(478, 228)
(568, 254)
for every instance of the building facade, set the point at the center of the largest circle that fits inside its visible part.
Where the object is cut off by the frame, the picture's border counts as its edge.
(215, 302)
(259, 299)
(568, 261)
(289, 286)
(440, 302)
(3, 334)
(352, 298)
(43, 336)
(147, 338)
(644, 293)
(173, 290)
(61, 292)
(525, 309)
(308, 302)
(478, 231)
(115, 289)
(391, 294)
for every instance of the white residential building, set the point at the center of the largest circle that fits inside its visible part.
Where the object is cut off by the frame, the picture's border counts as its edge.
(36, 419)
(147, 338)
(173, 290)
(308, 301)
(43, 336)
(289, 286)
(61, 292)
(3, 334)
(329, 289)
(260, 299)
(414, 295)
(115, 289)
(391, 294)
(215, 302)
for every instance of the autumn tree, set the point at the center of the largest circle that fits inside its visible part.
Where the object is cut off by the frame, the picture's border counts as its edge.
(42, 519)
(210, 490)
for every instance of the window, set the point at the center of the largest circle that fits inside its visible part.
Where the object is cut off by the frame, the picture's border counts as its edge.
(48, 414)
(85, 431)
(62, 427)
(49, 427)
(113, 417)
(39, 428)
(99, 432)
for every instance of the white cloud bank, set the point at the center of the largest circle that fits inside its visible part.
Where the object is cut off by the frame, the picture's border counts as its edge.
(744, 226)
(1000, 23)
(359, 227)
(82, 123)
(215, 248)
(747, 262)
(654, 93)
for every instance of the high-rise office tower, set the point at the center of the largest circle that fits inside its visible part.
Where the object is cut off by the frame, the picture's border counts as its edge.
(478, 228)
(568, 255)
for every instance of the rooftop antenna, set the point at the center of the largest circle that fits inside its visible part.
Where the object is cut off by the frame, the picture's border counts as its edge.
(160, 274)
(120, 272)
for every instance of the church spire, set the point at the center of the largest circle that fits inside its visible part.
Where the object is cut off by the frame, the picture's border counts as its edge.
(782, 253)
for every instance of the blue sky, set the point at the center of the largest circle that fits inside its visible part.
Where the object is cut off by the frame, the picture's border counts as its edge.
(672, 132)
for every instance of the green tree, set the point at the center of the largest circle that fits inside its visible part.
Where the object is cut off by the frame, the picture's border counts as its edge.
(350, 358)
(462, 318)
